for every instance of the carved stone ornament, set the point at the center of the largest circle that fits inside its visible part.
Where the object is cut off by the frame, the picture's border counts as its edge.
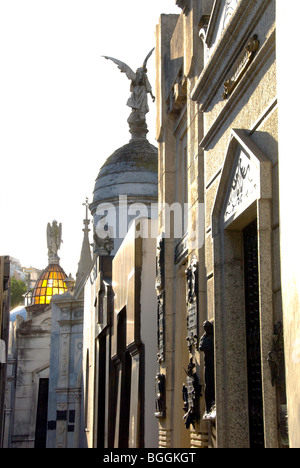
(160, 261)
(244, 186)
(104, 247)
(160, 396)
(161, 327)
(178, 96)
(230, 6)
(207, 347)
(191, 392)
(192, 303)
(275, 356)
(243, 63)
(160, 284)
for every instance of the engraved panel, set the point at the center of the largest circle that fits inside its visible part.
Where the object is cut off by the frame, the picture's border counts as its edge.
(244, 186)
(192, 303)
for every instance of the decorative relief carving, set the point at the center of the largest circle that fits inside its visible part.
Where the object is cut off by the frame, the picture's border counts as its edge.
(178, 96)
(244, 186)
(207, 347)
(161, 327)
(191, 392)
(275, 356)
(160, 256)
(46, 324)
(160, 396)
(243, 63)
(77, 352)
(192, 303)
(160, 284)
(64, 352)
(230, 6)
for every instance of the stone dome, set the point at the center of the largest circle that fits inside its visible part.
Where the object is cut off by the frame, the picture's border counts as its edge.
(132, 171)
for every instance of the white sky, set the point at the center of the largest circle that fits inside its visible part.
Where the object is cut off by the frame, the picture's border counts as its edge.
(63, 111)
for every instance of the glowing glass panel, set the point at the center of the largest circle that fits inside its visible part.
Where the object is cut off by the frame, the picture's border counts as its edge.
(50, 283)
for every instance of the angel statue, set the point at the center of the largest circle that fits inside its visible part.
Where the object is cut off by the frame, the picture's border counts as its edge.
(140, 87)
(54, 240)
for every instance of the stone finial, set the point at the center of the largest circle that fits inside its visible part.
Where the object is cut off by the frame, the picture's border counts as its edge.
(70, 282)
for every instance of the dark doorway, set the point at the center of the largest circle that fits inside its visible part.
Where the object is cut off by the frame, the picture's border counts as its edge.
(42, 414)
(123, 385)
(255, 400)
(102, 392)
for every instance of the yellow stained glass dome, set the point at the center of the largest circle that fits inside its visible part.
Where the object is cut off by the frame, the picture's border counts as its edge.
(50, 283)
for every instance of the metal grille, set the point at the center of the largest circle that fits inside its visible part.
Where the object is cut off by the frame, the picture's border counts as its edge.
(253, 337)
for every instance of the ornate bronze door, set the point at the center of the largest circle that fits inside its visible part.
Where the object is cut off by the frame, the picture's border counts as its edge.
(253, 337)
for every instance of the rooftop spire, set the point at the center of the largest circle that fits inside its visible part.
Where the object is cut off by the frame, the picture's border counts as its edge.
(85, 261)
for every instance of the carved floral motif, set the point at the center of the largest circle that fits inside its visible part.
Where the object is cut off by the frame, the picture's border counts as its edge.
(230, 6)
(243, 186)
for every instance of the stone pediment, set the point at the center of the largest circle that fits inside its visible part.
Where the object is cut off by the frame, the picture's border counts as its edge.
(246, 177)
(244, 185)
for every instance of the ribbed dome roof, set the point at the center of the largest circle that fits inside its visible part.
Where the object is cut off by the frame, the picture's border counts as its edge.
(50, 283)
(131, 170)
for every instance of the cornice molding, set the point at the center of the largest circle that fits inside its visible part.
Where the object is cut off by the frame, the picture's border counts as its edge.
(243, 85)
(212, 22)
(233, 39)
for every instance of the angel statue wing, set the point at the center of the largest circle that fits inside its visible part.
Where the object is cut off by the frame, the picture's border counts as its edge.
(147, 58)
(123, 67)
(60, 235)
(48, 235)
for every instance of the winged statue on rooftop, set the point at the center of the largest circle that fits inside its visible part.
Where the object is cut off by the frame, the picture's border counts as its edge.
(54, 240)
(140, 85)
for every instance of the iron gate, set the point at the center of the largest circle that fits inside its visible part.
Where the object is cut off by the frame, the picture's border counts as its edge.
(253, 337)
